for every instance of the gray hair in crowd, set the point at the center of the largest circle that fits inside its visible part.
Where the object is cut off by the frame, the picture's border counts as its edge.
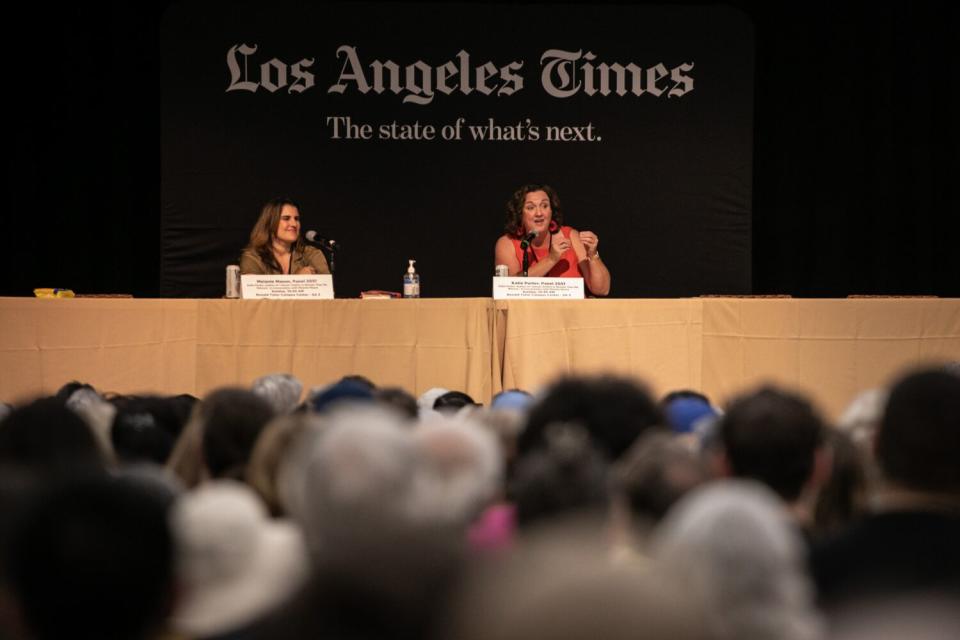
(860, 422)
(733, 544)
(460, 469)
(281, 390)
(357, 474)
(373, 509)
(863, 415)
(98, 414)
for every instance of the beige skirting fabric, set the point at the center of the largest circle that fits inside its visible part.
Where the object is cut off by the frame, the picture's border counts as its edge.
(829, 348)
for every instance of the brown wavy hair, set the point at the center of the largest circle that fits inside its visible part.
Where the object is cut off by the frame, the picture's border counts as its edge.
(514, 223)
(265, 230)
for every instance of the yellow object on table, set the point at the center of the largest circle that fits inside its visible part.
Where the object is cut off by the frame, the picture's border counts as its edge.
(53, 293)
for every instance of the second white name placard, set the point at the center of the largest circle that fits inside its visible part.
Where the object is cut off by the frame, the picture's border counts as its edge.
(520, 288)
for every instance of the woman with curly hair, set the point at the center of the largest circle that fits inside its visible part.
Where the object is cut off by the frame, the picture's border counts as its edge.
(535, 227)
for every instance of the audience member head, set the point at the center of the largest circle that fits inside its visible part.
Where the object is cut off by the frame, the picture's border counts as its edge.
(654, 474)
(516, 400)
(683, 410)
(137, 438)
(232, 420)
(678, 394)
(46, 437)
(859, 423)
(862, 417)
(92, 558)
(97, 413)
(234, 564)
(918, 441)
(296, 463)
(708, 441)
(459, 473)
(363, 381)
(271, 451)
(399, 400)
(176, 410)
(145, 428)
(63, 393)
(385, 556)
(186, 460)
(843, 498)
(359, 476)
(565, 476)
(506, 425)
(427, 398)
(342, 392)
(732, 543)
(280, 390)
(452, 402)
(559, 584)
(368, 521)
(772, 436)
(614, 411)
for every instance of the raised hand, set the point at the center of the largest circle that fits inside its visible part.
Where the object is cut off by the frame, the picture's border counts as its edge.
(558, 245)
(590, 242)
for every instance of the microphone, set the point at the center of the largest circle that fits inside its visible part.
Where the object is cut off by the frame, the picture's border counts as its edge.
(316, 239)
(527, 239)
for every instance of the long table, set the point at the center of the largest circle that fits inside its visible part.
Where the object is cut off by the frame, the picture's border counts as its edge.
(829, 348)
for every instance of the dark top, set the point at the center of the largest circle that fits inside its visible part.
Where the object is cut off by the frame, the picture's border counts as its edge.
(889, 554)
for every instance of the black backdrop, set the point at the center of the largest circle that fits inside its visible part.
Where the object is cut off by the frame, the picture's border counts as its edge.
(661, 174)
(855, 140)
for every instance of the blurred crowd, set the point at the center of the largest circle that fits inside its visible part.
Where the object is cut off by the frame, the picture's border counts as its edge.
(586, 509)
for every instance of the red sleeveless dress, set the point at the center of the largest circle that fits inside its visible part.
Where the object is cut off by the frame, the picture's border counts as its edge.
(567, 267)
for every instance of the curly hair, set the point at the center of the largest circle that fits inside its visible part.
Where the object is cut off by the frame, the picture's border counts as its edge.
(514, 223)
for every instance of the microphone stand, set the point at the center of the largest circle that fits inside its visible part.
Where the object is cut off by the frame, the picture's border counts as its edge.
(329, 249)
(331, 254)
(525, 246)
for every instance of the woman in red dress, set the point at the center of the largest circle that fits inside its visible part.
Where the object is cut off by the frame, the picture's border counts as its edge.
(555, 250)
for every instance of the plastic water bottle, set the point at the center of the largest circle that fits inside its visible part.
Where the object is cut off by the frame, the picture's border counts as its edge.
(411, 282)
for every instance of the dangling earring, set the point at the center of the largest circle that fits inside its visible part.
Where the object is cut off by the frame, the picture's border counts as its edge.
(553, 227)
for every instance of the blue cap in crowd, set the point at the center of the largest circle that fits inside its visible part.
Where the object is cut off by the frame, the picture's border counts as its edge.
(683, 414)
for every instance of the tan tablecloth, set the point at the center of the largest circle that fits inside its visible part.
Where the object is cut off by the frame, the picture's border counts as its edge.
(414, 344)
(192, 346)
(829, 348)
(121, 345)
(654, 340)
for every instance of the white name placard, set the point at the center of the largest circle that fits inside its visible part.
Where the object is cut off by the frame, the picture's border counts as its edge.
(518, 288)
(287, 287)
